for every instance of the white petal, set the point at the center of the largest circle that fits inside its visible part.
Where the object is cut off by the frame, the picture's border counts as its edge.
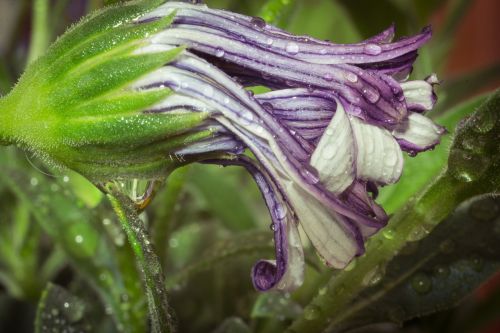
(418, 94)
(332, 242)
(379, 157)
(420, 131)
(334, 155)
(294, 275)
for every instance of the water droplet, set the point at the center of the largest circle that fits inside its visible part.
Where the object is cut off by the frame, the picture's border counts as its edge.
(372, 49)
(34, 181)
(419, 232)
(371, 95)
(312, 312)
(323, 51)
(65, 179)
(141, 191)
(219, 53)
(351, 77)
(79, 239)
(258, 22)
(388, 233)
(467, 167)
(269, 41)
(441, 271)
(421, 283)
(273, 227)
(173, 242)
(328, 77)
(309, 176)
(209, 91)
(485, 209)
(292, 48)
(485, 121)
(374, 276)
(280, 211)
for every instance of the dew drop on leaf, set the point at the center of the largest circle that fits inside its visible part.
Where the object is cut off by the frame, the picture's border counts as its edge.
(421, 283)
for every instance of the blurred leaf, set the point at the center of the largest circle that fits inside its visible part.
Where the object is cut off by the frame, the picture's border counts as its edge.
(233, 325)
(372, 17)
(437, 272)
(244, 244)
(423, 168)
(454, 90)
(84, 189)
(275, 305)
(223, 196)
(473, 169)
(60, 312)
(79, 232)
(324, 19)
(164, 208)
(276, 11)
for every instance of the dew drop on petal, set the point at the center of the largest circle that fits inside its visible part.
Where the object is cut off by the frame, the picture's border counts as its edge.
(269, 41)
(323, 51)
(258, 22)
(219, 53)
(372, 49)
(371, 95)
(292, 48)
(351, 77)
(328, 77)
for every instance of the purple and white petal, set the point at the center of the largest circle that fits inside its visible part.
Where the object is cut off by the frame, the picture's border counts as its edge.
(335, 153)
(379, 158)
(419, 94)
(418, 133)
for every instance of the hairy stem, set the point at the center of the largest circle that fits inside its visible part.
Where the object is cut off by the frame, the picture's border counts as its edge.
(147, 261)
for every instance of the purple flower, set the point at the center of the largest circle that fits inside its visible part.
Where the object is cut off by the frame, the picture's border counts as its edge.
(332, 130)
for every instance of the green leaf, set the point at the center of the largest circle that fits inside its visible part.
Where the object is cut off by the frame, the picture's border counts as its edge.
(435, 273)
(224, 198)
(275, 305)
(331, 21)
(244, 244)
(276, 11)
(420, 170)
(59, 311)
(81, 234)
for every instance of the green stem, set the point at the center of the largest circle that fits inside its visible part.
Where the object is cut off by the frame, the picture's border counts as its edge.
(40, 29)
(147, 260)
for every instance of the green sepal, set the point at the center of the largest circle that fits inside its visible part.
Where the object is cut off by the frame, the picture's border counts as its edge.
(77, 107)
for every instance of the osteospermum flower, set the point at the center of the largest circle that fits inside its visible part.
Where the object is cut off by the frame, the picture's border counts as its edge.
(138, 90)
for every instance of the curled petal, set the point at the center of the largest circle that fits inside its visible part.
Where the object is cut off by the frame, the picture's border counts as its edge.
(419, 94)
(287, 271)
(379, 158)
(335, 153)
(418, 133)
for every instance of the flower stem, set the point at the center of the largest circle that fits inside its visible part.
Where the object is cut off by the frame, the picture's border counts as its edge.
(40, 35)
(147, 261)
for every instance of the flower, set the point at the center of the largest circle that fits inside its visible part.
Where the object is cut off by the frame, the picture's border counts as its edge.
(333, 128)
